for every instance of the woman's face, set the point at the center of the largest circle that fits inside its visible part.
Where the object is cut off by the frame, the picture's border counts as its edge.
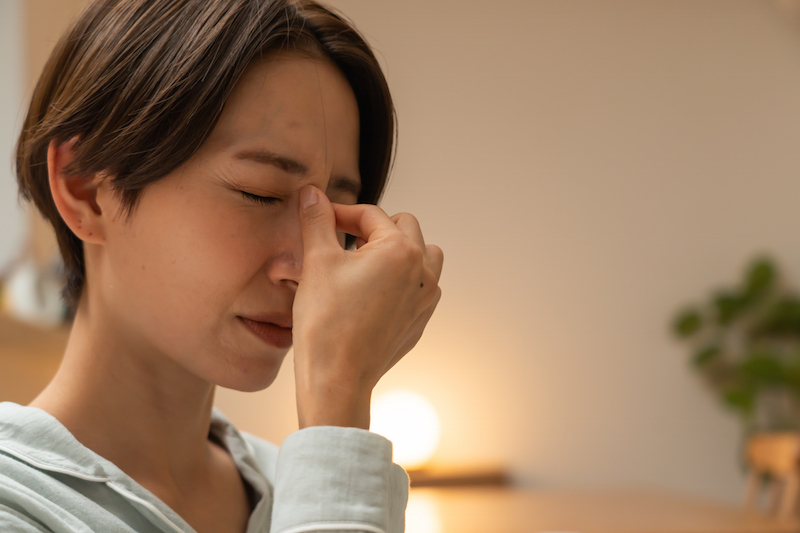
(202, 253)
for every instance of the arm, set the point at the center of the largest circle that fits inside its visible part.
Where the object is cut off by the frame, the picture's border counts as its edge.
(356, 314)
(335, 478)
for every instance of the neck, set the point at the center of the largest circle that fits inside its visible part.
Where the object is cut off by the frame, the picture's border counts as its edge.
(131, 404)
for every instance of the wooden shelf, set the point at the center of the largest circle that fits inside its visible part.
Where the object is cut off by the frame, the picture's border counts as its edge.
(16, 335)
(472, 476)
(29, 357)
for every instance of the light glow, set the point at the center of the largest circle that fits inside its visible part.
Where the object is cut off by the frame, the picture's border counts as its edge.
(422, 515)
(410, 422)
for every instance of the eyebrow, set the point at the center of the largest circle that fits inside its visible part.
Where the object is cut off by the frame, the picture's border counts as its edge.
(291, 166)
(266, 157)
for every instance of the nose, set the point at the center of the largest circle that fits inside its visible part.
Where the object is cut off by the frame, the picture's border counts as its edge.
(286, 262)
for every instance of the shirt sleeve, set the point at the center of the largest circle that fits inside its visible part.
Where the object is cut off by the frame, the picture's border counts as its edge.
(338, 479)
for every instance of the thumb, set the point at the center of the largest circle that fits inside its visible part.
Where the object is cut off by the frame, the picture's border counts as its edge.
(317, 219)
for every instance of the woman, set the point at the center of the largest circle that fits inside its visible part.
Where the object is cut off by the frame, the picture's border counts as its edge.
(201, 162)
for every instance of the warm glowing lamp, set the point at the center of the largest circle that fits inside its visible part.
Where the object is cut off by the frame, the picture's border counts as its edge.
(410, 422)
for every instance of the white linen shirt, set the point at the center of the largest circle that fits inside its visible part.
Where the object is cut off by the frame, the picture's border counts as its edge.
(321, 479)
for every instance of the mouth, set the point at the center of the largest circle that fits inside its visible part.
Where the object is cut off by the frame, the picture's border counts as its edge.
(275, 331)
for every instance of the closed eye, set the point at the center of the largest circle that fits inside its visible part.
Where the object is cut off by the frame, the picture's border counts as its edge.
(262, 200)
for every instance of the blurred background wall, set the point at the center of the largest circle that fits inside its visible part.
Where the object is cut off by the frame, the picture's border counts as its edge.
(12, 65)
(588, 166)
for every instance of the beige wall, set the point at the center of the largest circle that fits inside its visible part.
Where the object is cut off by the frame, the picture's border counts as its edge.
(588, 166)
(12, 64)
(28, 356)
(44, 22)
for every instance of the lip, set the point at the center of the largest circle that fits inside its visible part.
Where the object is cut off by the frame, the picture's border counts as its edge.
(283, 320)
(275, 330)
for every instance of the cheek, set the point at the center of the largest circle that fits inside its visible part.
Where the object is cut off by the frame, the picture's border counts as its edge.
(181, 266)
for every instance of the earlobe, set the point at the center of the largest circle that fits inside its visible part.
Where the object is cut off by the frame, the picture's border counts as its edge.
(75, 196)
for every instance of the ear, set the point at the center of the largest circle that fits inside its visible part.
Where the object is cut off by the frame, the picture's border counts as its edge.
(75, 196)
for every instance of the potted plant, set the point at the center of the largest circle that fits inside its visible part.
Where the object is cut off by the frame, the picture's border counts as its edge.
(745, 343)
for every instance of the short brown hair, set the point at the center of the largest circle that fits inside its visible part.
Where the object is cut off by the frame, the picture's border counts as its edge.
(142, 83)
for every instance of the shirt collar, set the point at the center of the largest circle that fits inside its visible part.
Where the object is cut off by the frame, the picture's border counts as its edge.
(39, 439)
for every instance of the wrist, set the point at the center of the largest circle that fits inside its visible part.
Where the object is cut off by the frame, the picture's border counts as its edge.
(333, 406)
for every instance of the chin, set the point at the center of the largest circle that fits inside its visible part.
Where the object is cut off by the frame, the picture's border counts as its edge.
(248, 376)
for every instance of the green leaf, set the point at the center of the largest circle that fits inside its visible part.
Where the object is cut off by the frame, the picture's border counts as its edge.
(792, 372)
(687, 323)
(760, 277)
(705, 355)
(729, 306)
(740, 398)
(781, 318)
(764, 367)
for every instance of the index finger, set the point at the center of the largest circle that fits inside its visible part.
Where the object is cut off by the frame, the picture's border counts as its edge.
(367, 221)
(409, 225)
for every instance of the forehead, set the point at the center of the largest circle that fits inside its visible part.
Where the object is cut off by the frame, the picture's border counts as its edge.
(296, 106)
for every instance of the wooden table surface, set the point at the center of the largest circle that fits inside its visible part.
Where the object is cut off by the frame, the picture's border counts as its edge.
(508, 510)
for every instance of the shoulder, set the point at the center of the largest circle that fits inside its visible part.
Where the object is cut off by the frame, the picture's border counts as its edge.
(31, 500)
(12, 521)
(265, 452)
(245, 447)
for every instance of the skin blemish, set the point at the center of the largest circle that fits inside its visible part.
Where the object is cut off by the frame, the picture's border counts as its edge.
(421, 285)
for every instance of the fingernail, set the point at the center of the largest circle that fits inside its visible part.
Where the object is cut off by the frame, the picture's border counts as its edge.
(308, 198)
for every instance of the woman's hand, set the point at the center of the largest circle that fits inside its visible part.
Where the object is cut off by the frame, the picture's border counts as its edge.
(356, 313)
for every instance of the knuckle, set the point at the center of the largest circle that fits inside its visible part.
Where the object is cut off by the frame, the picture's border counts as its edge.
(405, 251)
(412, 253)
(372, 209)
(435, 252)
(405, 217)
